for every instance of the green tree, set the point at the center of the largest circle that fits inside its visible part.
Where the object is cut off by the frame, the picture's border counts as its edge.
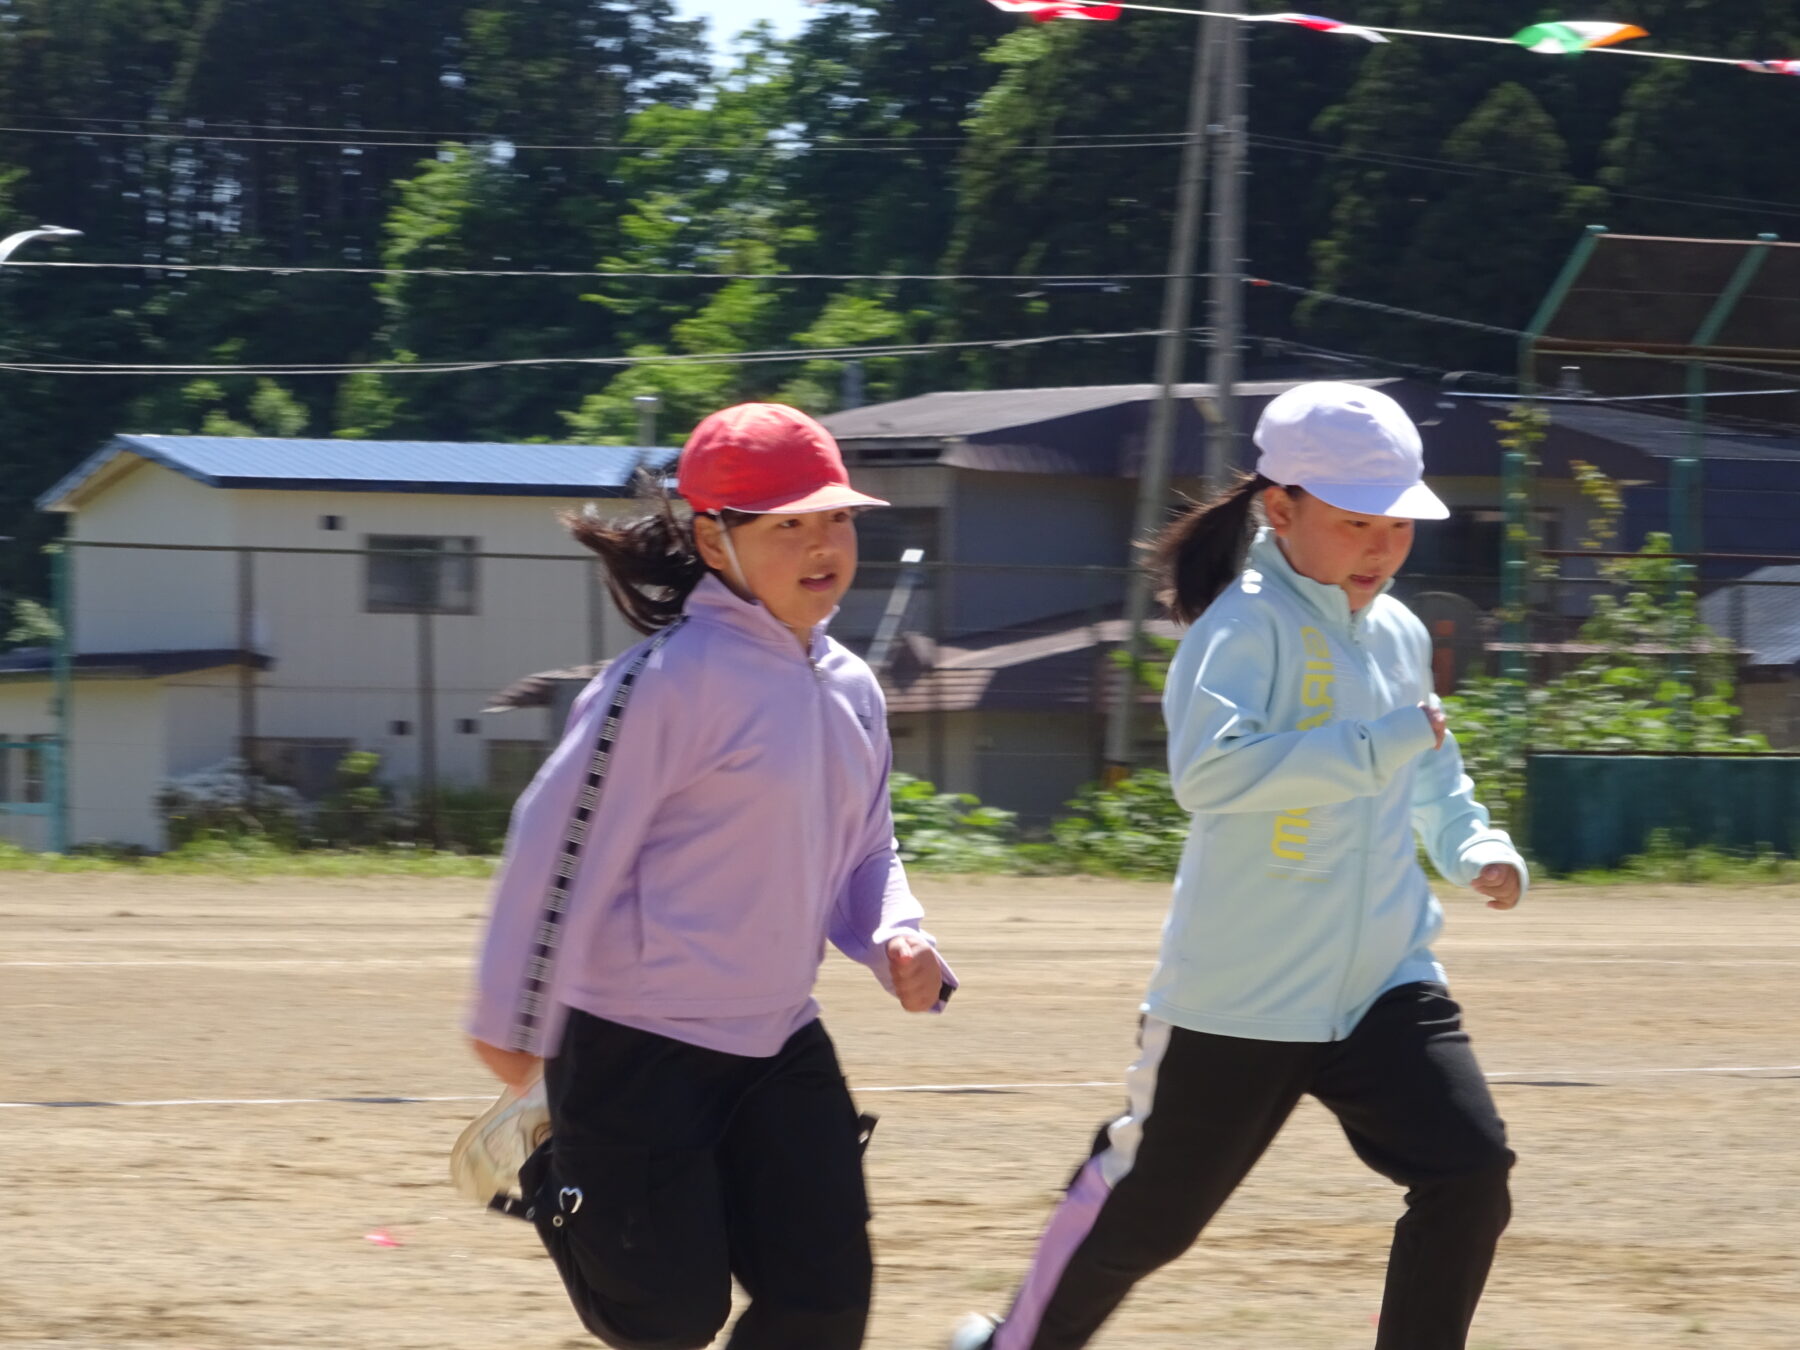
(1485, 232)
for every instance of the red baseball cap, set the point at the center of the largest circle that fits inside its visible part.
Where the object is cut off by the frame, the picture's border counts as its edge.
(765, 459)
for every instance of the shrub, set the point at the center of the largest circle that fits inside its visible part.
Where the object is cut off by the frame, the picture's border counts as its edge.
(228, 801)
(359, 810)
(949, 831)
(1133, 829)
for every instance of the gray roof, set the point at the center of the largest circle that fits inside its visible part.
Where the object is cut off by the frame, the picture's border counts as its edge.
(460, 467)
(1667, 437)
(977, 412)
(1760, 612)
(38, 662)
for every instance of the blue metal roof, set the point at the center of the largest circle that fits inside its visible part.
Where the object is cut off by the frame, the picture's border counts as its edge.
(461, 467)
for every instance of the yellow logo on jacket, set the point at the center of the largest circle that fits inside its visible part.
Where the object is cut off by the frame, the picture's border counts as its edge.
(1294, 829)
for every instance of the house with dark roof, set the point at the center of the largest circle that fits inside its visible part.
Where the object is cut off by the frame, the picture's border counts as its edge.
(295, 599)
(1024, 498)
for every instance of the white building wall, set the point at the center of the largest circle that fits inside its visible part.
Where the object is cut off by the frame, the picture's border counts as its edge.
(117, 766)
(342, 672)
(146, 599)
(200, 712)
(339, 672)
(24, 712)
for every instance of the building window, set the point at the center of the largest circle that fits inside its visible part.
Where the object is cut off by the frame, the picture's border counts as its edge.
(306, 764)
(33, 769)
(1465, 545)
(883, 535)
(419, 574)
(1469, 543)
(511, 765)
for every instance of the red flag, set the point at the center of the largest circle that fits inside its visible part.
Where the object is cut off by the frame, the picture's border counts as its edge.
(1045, 10)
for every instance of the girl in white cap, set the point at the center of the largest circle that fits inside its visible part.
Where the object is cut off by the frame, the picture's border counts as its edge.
(1305, 738)
(675, 1117)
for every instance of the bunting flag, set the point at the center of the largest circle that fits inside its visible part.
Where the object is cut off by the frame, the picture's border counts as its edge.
(1318, 25)
(1569, 38)
(1046, 10)
(1565, 38)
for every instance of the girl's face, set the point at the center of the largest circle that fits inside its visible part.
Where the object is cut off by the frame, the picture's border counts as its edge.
(1356, 553)
(797, 566)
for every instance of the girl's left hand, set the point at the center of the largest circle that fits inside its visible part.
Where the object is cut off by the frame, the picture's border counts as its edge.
(1500, 883)
(914, 967)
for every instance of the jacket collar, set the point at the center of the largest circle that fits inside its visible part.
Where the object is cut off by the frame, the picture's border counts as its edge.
(712, 601)
(1328, 602)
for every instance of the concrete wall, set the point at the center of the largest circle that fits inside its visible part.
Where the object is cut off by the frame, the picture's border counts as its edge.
(1005, 518)
(1028, 762)
(24, 712)
(339, 671)
(152, 600)
(118, 762)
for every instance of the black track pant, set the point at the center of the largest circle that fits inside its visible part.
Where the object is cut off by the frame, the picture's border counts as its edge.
(672, 1169)
(1406, 1089)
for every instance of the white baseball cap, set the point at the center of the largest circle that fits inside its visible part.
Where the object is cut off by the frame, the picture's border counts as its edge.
(1352, 447)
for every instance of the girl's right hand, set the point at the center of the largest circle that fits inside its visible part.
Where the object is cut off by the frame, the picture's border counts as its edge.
(1435, 716)
(515, 1068)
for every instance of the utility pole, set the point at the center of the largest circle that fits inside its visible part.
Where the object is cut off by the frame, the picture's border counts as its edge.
(1225, 361)
(647, 406)
(1177, 312)
(62, 702)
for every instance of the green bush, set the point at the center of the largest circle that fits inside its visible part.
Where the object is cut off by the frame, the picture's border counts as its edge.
(950, 831)
(469, 819)
(228, 801)
(359, 810)
(1133, 829)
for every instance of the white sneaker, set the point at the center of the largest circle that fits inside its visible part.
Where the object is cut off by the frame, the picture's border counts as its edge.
(974, 1332)
(486, 1159)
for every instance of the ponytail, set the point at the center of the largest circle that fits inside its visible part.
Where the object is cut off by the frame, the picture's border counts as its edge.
(1199, 554)
(650, 561)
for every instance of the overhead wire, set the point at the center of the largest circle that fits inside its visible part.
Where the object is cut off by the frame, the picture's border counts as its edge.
(286, 370)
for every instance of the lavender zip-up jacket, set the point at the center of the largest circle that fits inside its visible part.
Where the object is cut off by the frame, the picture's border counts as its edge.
(743, 821)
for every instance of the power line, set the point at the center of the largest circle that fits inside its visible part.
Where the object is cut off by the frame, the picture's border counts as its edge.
(457, 367)
(606, 147)
(430, 139)
(1376, 306)
(593, 275)
(1320, 149)
(882, 145)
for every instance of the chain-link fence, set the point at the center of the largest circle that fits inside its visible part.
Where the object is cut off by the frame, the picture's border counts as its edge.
(410, 688)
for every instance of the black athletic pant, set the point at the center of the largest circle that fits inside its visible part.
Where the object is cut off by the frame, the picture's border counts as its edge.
(672, 1169)
(1412, 1100)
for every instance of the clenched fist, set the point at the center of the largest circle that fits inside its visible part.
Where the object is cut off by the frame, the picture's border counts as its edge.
(1500, 883)
(915, 970)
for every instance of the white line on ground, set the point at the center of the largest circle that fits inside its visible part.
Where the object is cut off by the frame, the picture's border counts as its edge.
(232, 963)
(395, 1100)
(462, 960)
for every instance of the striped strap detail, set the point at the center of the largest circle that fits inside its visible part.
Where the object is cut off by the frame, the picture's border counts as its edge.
(533, 1006)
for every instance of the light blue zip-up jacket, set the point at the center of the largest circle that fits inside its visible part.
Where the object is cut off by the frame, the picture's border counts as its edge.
(1297, 740)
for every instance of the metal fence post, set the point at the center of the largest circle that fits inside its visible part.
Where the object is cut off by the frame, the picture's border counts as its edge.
(246, 583)
(62, 595)
(942, 576)
(428, 766)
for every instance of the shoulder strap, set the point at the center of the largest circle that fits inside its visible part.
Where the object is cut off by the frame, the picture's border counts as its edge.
(556, 901)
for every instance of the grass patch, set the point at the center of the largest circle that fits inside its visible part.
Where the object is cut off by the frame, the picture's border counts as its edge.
(1668, 861)
(254, 858)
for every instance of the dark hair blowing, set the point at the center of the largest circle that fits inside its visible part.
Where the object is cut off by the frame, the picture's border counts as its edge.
(1202, 551)
(651, 561)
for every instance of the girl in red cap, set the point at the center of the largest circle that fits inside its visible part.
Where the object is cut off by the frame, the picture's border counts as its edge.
(674, 1113)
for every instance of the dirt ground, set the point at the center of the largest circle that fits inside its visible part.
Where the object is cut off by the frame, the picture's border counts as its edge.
(1655, 1202)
